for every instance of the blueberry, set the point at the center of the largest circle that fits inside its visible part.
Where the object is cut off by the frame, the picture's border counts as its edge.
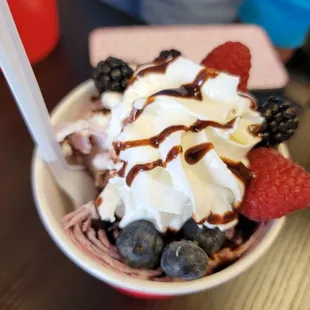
(184, 260)
(210, 240)
(140, 245)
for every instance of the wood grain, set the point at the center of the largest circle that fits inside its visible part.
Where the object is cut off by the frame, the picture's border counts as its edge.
(35, 275)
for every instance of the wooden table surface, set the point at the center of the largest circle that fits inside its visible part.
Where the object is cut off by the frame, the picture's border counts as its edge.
(35, 275)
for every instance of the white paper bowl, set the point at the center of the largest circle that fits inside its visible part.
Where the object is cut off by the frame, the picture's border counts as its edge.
(52, 205)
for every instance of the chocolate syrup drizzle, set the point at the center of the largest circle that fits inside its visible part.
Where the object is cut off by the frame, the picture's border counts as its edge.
(195, 153)
(121, 172)
(254, 129)
(172, 154)
(98, 202)
(192, 156)
(159, 67)
(155, 141)
(243, 173)
(253, 104)
(190, 90)
(217, 219)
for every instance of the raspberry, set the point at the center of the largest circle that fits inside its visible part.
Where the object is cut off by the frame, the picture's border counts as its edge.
(278, 187)
(232, 57)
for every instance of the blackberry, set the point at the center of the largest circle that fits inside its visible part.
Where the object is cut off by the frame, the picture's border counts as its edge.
(280, 121)
(112, 74)
(168, 53)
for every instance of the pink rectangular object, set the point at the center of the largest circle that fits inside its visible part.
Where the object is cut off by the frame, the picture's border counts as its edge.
(142, 44)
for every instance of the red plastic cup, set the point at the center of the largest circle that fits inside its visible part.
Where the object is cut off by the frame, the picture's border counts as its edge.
(52, 206)
(143, 296)
(37, 24)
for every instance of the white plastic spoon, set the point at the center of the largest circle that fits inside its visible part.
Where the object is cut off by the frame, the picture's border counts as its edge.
(75, 181)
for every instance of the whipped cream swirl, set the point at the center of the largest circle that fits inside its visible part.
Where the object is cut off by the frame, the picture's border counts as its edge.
(181, 134)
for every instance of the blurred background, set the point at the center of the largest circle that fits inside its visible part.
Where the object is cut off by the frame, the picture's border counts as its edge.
(34, 274)
(60, 29)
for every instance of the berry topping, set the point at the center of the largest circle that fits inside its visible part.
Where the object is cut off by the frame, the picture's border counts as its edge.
(111, 74)
(280, 121)
(210, 240)
(184, 260)
(231, 57)
(168, 53)
(278, 188)
(140, 245)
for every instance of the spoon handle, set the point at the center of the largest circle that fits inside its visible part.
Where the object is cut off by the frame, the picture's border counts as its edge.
(24, 86)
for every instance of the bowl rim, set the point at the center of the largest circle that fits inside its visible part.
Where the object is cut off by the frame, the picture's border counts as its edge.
(126, 282)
